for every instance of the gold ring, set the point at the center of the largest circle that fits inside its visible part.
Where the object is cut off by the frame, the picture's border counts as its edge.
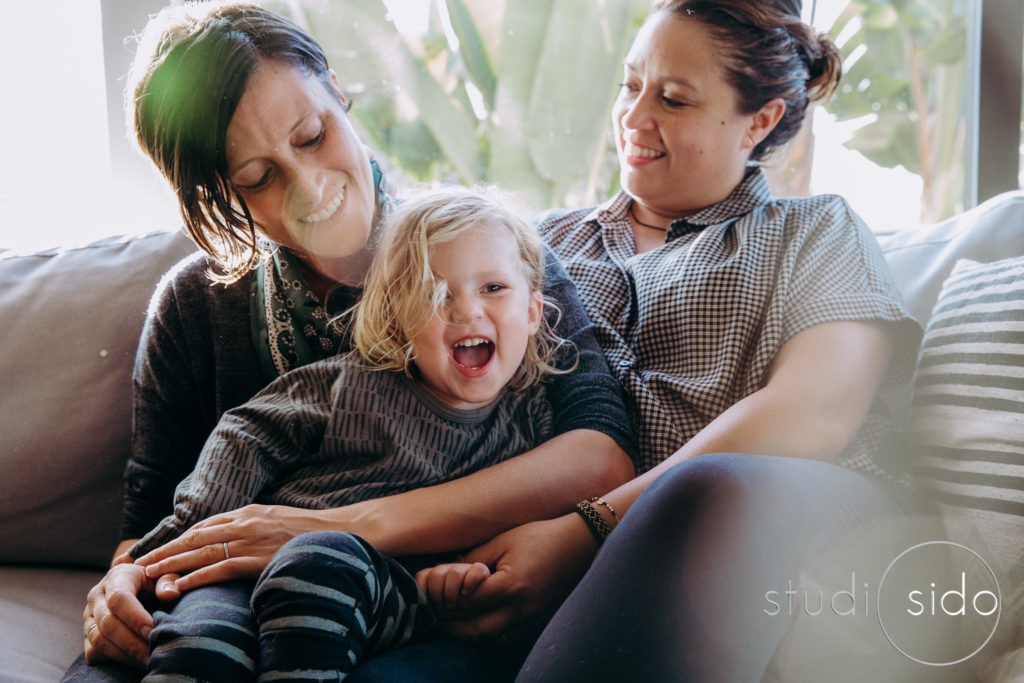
(227, 555)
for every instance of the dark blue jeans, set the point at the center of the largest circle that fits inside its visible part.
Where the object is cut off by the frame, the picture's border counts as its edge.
(325, 602)
(696, 583)
(436, 659)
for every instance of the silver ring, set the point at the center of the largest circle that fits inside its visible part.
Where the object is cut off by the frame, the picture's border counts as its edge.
(227, 555)
(89, 631)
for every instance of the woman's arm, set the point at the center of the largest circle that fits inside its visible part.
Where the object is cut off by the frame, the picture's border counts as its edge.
(195, 362)
(454, 515)
(586, 457)
(171, 418)
(820, 387)
(819, 390)
(545, 482)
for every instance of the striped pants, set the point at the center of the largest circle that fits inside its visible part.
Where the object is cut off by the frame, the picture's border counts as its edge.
(326, 602)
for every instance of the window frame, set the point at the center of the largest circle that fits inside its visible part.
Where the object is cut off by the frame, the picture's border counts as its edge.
(997, 101)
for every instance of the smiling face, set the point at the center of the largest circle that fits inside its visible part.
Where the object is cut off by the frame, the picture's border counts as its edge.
(300, 167)
(467, 356)
(682, 142)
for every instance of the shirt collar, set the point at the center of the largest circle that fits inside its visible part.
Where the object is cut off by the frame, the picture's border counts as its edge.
(753, 191)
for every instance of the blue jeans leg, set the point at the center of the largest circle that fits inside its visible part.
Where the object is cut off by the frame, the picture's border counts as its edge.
(81, 671)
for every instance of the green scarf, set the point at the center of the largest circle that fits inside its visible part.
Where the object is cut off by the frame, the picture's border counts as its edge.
(289, 325)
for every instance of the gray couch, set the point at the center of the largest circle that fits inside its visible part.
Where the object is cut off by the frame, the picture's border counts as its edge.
(71, 321)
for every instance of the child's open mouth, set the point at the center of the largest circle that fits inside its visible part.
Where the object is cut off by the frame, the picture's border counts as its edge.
(473, 353)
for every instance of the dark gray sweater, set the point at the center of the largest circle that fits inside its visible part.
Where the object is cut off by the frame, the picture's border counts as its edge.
(332, 433)
(196, 361)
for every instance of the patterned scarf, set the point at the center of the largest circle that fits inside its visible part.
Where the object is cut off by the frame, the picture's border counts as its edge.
(290, 326)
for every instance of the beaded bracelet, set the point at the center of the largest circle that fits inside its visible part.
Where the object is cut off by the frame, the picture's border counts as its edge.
(601, 501)
(595, 522)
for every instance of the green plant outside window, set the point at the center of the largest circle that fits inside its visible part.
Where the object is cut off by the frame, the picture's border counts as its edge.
(519, 93)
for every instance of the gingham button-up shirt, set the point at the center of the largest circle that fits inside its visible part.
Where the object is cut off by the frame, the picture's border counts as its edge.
(692, 327)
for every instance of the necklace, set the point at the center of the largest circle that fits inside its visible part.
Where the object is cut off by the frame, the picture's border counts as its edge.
(646, 225)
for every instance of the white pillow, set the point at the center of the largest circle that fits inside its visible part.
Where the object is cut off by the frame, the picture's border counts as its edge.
(967, 416)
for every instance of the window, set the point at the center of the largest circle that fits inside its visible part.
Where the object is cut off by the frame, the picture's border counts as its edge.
(460, 100)
(928, 121)
(894, 139)
(60, 134)
(518, 94)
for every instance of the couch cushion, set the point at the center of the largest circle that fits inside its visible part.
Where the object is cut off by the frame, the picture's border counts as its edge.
(71, 324)
(968, 405)
(41, 621)
(967, 416)
(921, 258)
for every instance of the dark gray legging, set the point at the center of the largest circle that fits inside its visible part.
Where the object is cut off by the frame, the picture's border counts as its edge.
(682, 590)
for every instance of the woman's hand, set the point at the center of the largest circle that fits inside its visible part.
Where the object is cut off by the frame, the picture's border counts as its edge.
(231, 545)
(533, 569)
(116, 625)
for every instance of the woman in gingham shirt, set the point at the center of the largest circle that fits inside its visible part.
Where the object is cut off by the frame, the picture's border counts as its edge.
(736, 323)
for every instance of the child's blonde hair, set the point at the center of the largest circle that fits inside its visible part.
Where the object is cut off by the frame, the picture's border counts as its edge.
(401, 291)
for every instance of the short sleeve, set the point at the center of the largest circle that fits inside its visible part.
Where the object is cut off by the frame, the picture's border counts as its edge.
(838, 273)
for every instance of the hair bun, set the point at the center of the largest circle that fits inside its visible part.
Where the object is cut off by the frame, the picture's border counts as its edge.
(820, 55)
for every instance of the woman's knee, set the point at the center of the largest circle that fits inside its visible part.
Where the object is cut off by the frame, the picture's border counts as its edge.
(702, 482)
(755, 483)
(727, 495)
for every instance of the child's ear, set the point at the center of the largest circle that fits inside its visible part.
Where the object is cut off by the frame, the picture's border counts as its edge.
(536, 311)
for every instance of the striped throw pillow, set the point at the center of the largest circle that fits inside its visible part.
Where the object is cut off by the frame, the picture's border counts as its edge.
(968, 407)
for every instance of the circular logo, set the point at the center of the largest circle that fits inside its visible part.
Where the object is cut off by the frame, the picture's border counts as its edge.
(939, 603)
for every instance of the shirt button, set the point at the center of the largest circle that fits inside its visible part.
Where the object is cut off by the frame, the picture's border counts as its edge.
(625, 363)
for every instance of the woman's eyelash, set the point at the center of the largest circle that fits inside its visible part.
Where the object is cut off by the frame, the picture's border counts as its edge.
(257, 185)
(667, 100)
(315, 139)
(312, 142)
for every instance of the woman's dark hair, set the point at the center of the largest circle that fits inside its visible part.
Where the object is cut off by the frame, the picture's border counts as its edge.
(190, 71)
(768, 53)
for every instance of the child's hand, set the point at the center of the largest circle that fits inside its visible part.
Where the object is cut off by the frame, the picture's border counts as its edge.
(444, 584)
